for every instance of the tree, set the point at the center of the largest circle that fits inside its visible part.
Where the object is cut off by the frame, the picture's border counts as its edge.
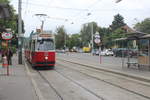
(4, 1)
(86, 32)
(6, 21)
(105, 35)
(117, 23)
(74, 41)
(60, 37)
(143, 26)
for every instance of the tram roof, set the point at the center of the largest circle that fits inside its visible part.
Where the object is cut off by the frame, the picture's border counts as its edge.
(41, 35)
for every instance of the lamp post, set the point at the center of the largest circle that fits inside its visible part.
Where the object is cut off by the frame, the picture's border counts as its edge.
(117, 1)
(92, 36)
(65, 36)
(92, 46)
(19, 33)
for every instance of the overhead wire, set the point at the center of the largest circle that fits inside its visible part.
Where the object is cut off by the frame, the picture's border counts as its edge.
(57, 7)
(89, 7)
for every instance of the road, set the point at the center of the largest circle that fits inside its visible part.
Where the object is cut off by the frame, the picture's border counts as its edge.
(69, 81)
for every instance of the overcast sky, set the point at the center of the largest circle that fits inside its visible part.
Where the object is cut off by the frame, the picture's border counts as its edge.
(102, 12)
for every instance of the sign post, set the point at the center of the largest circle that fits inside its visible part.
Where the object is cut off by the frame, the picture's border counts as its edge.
(7, 36)
(98, 41)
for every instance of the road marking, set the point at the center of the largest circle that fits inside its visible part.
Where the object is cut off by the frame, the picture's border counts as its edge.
(37, 90)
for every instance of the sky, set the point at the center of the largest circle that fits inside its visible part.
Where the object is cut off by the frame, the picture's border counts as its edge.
(66, 12)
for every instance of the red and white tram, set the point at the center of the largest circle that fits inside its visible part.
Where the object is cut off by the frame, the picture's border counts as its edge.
(40, 50)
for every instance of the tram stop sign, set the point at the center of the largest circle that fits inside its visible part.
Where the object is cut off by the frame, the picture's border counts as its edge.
(97, 41)
(7, 35)
(97, 38)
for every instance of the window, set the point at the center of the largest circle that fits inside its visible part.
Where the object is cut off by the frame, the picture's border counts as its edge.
(45, 44)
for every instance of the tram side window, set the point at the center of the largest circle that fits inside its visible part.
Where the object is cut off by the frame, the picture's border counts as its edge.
(45, 45)
(33, 46)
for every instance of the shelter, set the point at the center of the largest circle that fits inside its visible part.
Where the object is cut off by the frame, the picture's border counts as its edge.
(143, 44)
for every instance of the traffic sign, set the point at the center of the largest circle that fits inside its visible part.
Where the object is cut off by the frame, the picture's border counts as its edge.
(97, 35)
(7, 35)
(97, 41)
(97, 38)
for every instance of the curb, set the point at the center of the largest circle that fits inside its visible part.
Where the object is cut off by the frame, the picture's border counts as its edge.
(140, 78)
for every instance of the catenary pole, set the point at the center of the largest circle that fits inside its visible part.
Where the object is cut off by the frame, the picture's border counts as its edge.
(92, 37)
(19, 33)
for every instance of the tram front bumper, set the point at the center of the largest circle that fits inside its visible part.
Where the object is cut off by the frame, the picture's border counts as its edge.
(51, 63)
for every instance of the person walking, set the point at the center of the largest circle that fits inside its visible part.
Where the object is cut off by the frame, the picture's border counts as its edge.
(9, 56)
(4, 58)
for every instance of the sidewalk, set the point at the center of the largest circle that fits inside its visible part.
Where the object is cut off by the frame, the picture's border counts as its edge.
(133, 72)
(16, 86)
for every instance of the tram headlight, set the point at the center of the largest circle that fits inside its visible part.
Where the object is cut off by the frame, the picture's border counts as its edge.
(46, 58)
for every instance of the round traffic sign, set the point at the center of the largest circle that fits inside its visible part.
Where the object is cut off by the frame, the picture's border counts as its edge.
(7, 35)
(97, 40)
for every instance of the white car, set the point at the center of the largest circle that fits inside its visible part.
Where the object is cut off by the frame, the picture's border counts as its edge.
(107, 52)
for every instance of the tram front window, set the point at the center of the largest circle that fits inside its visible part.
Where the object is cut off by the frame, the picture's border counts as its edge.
(45, 45)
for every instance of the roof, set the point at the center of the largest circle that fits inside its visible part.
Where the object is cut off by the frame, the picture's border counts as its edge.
(120, 39)
(128, 29)
(134, 36)
(145, 36)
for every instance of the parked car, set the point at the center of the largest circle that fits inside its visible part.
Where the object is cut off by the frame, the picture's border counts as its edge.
(95, 52)
(107, 52)
(60, 51)
(123, 52)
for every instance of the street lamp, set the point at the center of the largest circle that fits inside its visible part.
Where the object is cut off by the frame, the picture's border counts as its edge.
(65, 37)
(88, 14)
(117, 1)
(19, 33)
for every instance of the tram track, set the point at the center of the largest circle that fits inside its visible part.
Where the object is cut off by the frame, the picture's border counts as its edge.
(130, 75)
(37, 91)
(46, 80)
(45, 77)
(107, 82)
(100, 97)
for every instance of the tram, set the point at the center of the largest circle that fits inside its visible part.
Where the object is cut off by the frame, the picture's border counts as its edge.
(40, 50)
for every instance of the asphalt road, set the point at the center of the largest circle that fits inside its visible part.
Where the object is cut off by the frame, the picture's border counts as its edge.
(70, 81)
(106, 60)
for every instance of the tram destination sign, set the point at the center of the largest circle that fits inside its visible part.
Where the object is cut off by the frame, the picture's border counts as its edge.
(7, 35)
(45, 35)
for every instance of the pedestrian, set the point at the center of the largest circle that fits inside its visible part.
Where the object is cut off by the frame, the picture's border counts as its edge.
(4, 58)
(9, 56)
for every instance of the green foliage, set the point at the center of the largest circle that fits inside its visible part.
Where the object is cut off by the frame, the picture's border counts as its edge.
(74, 41)
(13, 49)
(118, 22)
(118, 33)
(86, 32)
(60, 37)
(10, 22)
(143, 26)
(108, 39)
(4, 1)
